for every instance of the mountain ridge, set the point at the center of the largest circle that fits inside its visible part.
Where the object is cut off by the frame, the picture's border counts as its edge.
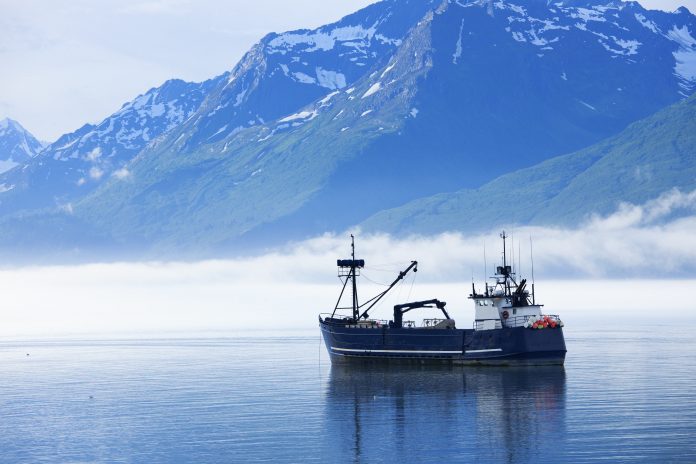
(461, 98)
(17, 145)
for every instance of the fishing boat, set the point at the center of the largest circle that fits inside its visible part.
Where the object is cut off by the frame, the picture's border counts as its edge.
(509, 327)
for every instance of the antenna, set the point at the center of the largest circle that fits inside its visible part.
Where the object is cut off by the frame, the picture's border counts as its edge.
(519, 259)
(355, 287)
(485, 264)
(531, 255)
(506, 270)
(512, 245)
(485, 267)
(504, 236)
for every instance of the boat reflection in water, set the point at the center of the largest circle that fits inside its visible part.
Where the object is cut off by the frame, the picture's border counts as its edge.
(425, 414)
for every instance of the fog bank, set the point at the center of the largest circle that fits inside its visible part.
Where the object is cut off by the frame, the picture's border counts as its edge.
(637, 262)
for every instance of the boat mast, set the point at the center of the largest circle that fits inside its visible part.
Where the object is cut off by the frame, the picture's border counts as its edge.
(356, 312)
(503, 235)
(348, 269)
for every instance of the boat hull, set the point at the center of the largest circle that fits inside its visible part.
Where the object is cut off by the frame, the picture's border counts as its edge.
(497, 347)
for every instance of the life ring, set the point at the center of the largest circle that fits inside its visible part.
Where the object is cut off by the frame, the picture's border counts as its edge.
(506, 314)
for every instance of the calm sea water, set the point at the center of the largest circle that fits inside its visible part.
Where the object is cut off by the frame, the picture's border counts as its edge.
(626, 394)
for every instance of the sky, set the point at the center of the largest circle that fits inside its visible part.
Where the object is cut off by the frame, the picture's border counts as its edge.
(70, 62)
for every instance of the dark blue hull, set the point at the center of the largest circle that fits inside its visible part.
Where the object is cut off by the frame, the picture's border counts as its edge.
(505, 346)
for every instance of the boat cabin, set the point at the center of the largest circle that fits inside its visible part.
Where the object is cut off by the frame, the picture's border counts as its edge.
(506, 303)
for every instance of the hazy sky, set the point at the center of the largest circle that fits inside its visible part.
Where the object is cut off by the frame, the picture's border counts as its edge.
(66, 63)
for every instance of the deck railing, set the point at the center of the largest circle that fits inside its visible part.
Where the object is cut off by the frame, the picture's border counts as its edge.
(367, 324)
(513, 321)
(363, 324)
(432, 322)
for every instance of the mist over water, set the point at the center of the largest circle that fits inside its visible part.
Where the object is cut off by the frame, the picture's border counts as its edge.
(619, 272)
(220, 361)
(638, 262)
(138, 300)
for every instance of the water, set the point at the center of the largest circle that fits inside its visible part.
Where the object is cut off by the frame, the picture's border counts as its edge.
(626, 394)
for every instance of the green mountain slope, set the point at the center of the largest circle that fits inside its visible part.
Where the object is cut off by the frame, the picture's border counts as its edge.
(648, 158)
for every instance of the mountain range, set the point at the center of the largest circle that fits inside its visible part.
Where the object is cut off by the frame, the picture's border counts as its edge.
(372, 120)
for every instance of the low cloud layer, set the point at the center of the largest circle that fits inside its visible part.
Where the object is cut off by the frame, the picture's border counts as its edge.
(655, 240)
(634, 263)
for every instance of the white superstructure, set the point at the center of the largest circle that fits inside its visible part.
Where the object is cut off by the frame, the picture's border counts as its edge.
(506, 303)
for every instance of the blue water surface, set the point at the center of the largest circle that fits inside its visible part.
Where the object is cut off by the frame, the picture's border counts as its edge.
(626, 394)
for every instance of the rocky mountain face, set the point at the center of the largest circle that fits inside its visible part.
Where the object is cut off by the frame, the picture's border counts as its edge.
(650, 158)
(284, 72)
(17, 145)
(501, 86)
(318, 130)
(77, 163)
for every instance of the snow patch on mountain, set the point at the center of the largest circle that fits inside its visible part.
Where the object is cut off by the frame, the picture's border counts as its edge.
(598, 20)
(646, 23)
(330, 79)
(239, 99)
(304, 78)
(6, 165)
(686, 65)
(682, 36)
(387, 69)
(630, 46)
(458, 46)
(685, 57)
(626, 47)
(309, 115)
(373, 89)
(586, 15)
(320, 40)
(587, 105)
(328, 97)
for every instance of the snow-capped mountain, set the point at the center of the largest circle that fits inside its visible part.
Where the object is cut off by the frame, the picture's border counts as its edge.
(479, 89)
(17, 145)
(318, 130)
(78, 162)
(282, 73)
(473, 90)
(285, 72)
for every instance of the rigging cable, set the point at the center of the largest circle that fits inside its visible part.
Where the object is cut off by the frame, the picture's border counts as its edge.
(372, 281)
(413, 281)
